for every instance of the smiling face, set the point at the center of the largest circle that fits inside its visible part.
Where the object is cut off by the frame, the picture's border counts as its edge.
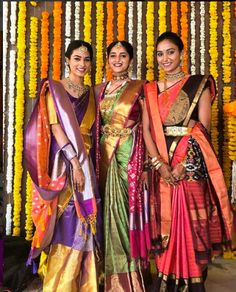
(119, 59)
(168, 57)
(79, 62)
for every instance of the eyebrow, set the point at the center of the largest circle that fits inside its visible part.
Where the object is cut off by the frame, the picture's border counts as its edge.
(168, 49)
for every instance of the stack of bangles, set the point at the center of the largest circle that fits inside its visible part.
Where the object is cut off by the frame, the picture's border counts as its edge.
(157, 163)
(69, 152)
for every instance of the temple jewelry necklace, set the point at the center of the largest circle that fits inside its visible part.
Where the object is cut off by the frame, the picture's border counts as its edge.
(175, 76)
(76, 88)
(122, 76)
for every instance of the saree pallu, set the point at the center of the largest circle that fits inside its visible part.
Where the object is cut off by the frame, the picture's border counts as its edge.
(200, 217)
(122, 267)
(65, 230)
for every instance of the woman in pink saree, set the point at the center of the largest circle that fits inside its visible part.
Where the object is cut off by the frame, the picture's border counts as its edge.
(190, 210)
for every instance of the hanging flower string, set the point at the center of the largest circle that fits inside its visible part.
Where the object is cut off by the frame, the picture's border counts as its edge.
(77, 20)
(87, 31)
(44, 52)
(174, 16)
(213, 51)
(29, 226)
(184, 32)
(131, 27)
(162, 26)
(150, 41)
(67, 30)
(121, 12)
(193, 38)
(110, 34)
(19, 112)
(33, 57)
(4, 63)
(139, 40)
(202, 37)
(99, 42)
(226, 65)
(11, 115)
(57, 12)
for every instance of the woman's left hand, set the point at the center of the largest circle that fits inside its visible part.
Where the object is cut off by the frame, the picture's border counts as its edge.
(144, 178)
(178, 172)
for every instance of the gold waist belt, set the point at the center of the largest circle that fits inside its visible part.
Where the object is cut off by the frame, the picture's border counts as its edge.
(177, 131)
(109, 130)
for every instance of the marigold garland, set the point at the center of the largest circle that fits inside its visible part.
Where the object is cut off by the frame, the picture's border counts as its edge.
(19, 114)
(174, 16)
(99, 42)
(110, 34)
(150, 41)
(44, 51)
(57, 22)
(184, 32)
(226, 65)
(121, 11)
(87, 31)
(33, 57)
(29, 226)
(162, 26)
(213, 51)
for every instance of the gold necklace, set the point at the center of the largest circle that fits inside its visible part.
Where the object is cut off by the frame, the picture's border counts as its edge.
(175, 76)
(122, 76)
(76, 88)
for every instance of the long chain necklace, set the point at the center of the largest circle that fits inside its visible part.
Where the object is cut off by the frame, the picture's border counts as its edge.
(165, 92)
(76, 88)
(113, 89)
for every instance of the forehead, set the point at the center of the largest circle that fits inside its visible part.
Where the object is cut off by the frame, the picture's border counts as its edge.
(118, 50)
(80, 53)
(166, 45)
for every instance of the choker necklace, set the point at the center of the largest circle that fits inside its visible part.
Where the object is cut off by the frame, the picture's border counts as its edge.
(175, 76)
(76, 88)
(123, 76)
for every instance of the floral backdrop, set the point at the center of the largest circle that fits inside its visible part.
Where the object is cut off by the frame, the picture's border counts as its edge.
(36, 34)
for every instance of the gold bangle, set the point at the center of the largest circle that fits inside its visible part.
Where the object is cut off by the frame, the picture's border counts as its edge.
(158, 165)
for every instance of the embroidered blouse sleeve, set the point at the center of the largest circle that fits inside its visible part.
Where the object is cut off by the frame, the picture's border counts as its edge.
(52, 114)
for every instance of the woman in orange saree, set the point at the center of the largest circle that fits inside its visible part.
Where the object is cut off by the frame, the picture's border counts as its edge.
(190, 210)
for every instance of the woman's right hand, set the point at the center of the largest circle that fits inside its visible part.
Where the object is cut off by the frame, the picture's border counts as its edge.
(165, 173)
(78, 179)
(78, 175)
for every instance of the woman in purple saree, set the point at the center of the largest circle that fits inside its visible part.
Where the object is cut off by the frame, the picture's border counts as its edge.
(60, 149)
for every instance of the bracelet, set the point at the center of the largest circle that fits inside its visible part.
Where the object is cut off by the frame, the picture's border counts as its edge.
(68, 151)
(158, 165)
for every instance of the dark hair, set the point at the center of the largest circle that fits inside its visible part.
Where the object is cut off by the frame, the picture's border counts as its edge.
(77, 44)
(172, 37)
(125, 44)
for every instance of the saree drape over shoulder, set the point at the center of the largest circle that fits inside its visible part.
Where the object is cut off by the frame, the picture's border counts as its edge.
(65, 219)
(126, 226)
(190, 221)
